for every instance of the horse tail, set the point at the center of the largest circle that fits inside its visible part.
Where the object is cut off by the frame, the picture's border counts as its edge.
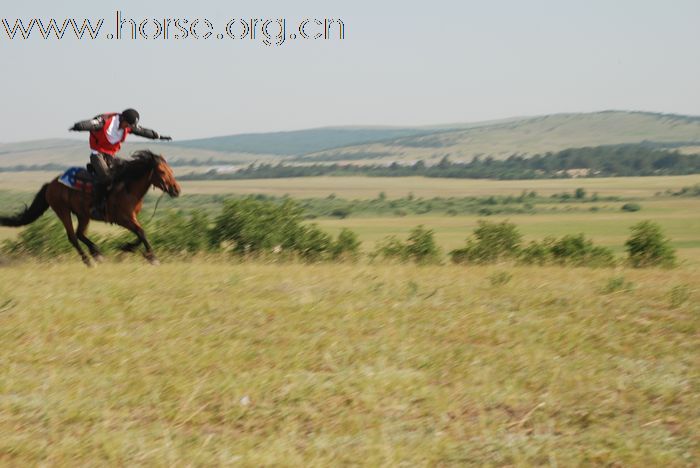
(30, 214)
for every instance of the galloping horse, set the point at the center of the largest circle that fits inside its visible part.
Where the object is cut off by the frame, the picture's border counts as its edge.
(132, 179)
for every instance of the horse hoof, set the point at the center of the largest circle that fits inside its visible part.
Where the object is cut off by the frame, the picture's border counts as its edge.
(99, 258)
(153, 261)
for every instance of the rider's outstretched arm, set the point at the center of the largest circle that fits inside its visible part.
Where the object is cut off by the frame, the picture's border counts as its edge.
(148, 133)
(88, 125)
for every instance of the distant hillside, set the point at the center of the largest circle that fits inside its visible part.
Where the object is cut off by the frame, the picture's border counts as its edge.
(302, 141)
(528, 136)
(499, 139)
(75, 152)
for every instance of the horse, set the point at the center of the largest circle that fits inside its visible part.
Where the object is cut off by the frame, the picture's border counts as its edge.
(131, 181)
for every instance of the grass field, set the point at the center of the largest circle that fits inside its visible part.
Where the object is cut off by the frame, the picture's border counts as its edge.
(393, 187)
(679, 217)
(209, 363)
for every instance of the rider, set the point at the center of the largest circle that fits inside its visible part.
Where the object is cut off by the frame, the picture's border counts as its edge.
(107, 132)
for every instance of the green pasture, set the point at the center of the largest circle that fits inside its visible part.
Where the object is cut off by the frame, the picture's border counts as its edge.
(394, 187)
(212, 363)
(609, 226)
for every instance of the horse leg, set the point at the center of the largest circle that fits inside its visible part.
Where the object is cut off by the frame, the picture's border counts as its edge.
(64, 216)
(134, 226)
(83, 222)
(130, 246)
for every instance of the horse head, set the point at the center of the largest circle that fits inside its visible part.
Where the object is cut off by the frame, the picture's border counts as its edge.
(163, 176)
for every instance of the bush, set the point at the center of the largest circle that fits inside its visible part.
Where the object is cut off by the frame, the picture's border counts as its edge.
(179, 233)
(251, 225)
(576, 250)
(573, 250)
(631, 207)
(309, 242)
(254, 226)
(346, 246)
(46, 237)
(390, 248)
(341, 213)
(420, 247)
(648, 247)
(537, 253)
(491, 242)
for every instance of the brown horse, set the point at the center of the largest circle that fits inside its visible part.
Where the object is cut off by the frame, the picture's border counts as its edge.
(132, 179)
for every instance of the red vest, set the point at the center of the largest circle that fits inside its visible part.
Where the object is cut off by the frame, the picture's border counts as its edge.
(99, 141)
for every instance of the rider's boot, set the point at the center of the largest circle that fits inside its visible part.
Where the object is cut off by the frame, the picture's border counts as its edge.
(98, 202)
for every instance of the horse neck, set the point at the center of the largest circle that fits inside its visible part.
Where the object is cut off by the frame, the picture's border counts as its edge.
(142, 184)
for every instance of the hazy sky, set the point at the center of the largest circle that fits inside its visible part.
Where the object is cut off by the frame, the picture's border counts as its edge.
(401, 63)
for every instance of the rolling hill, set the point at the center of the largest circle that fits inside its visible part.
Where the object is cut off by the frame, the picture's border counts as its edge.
(498, 139)
(529, 136)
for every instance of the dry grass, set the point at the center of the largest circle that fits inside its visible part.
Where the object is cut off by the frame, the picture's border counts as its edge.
(369, 187)
(393, 187)
(207, 363)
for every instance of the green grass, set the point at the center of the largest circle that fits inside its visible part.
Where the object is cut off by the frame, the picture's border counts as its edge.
(610, 227)
(205, 362)
(208, 363)
(678, 218)
(394, 187)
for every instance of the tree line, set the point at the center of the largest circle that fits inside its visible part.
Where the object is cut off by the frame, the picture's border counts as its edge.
(599, 161)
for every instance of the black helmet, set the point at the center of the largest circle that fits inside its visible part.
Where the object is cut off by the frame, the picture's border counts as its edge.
(130, 116)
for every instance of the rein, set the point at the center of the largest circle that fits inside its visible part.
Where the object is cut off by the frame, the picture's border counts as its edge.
(155, 208)
(150, 178)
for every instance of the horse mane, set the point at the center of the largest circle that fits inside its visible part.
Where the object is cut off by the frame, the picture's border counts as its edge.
(140, 163)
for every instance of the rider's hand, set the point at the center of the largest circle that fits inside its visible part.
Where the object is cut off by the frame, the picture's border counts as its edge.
(166, 138)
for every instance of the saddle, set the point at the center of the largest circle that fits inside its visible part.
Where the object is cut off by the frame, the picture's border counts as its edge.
(78, 178)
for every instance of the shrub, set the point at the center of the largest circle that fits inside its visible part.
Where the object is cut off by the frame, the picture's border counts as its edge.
(631, 207)
(648, 247)
(253, 225)
(537, 253)
(491, 242)
(180, 233)
(250, 225)
(421, 246)
(341, 213)
(346, 246)
(46, 237)
(390, 248)
(309, 242)
(576, 250)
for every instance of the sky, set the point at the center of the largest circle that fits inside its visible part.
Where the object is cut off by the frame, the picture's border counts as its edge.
(401, 63)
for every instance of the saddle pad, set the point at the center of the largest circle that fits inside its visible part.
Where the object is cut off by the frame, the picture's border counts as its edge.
(76, 178)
